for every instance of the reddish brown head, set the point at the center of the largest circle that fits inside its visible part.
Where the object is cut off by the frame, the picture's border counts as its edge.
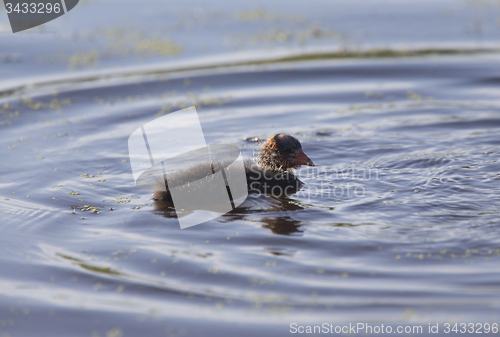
(283, 151)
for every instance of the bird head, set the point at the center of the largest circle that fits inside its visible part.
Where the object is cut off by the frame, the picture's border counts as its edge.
(283, 151)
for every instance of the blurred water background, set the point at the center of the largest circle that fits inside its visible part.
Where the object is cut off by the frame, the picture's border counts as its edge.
(397, 102)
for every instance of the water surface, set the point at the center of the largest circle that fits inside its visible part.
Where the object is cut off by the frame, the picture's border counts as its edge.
(398, 223)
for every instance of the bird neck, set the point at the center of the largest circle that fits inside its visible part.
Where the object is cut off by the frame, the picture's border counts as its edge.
(270, 159)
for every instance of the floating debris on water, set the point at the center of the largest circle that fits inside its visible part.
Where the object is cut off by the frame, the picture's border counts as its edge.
(88, 208)
(121, 200)
(253, 139)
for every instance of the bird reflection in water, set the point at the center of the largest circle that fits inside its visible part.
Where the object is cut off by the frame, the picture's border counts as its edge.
(283, 225)
(263, 204)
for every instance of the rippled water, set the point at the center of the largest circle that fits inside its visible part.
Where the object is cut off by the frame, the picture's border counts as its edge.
(398, 223)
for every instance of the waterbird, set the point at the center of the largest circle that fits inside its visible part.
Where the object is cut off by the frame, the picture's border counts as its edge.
(270, 172)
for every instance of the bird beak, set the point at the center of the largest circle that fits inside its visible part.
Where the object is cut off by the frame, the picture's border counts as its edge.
(302, 159)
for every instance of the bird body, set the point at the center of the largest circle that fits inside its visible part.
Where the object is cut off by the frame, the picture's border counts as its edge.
(270, 173)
